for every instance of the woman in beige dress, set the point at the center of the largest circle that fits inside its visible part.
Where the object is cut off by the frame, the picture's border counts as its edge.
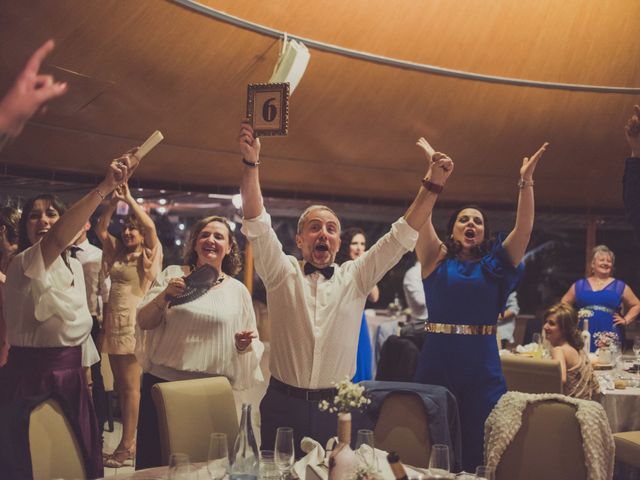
(132, 261)
(560, 329)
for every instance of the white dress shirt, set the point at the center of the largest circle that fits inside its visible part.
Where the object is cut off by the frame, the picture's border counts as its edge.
(47, 307)
(414, 292)
(95, 281)
(197, 339)
(315, 321)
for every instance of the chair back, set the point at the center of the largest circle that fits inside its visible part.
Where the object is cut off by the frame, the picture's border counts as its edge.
(548, 445)
(403, 426)
(55, 451)
(530, 375)
(189, 411)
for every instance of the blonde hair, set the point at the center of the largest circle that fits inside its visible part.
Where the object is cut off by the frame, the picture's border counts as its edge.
(603, 249)
(308, 210)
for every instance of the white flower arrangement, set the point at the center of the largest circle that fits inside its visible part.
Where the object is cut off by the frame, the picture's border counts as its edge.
(365, 473)
(348, 397)
(605, 339)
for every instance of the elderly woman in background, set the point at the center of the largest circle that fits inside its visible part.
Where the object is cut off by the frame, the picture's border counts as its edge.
(467, 279)
(9, 219)
(132, 262)
(598, 297)
(560, 329)
(193, 330)
(353, 243)
(48, 321)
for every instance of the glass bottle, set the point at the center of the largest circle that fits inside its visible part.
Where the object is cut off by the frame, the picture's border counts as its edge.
(586, 336)
(245, 459)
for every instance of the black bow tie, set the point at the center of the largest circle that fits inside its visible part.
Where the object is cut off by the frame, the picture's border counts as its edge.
(73, 250)
(327, 272)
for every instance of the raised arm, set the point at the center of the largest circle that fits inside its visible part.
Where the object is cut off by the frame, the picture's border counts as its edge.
(516, 242)
(28, 94)
(250, 184)
(65, 230)
(102, 227)
(429, 248)
(631, 179)
(150, 233)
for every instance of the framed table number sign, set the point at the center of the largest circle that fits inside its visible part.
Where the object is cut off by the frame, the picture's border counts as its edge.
(268, 108)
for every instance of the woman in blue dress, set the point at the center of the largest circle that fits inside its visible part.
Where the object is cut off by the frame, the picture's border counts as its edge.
(467, 280)
(353, 245)
(599, 296)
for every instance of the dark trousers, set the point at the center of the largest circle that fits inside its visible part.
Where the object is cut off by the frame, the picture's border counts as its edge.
(148, 452)
(277, 409)
(98, 394)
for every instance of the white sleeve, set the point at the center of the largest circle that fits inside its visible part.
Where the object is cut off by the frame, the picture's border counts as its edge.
(246, 365)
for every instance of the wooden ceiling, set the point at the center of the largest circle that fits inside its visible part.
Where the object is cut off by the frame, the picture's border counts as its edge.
(137, 66)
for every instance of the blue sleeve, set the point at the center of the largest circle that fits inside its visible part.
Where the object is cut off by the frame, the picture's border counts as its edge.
(497, 264)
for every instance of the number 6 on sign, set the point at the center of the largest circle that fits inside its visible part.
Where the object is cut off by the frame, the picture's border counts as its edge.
(268, 108)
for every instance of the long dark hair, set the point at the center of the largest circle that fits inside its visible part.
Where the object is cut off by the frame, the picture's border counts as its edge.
(345, 241)
(232, 262)
(454, 247)
(567, 321)
(10, 218)
(55, 202)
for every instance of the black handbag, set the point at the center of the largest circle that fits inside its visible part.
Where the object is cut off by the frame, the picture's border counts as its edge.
(197, 283)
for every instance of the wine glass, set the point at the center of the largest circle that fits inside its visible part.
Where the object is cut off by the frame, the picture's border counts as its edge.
(537, 339)
(636, 348)
(218, 459)
(365, 448)
(179, 466)
(484, 472)
(284, 452)
(439, 461)
(268, 468)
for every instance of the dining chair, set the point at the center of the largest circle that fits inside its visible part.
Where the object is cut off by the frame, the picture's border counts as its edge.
(531, 375)
(628, 448)
(548, 445)
(189, 411)
(403, 426)
(55, 451)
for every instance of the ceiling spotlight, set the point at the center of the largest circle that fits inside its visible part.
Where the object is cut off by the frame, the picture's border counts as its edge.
(162, 210)
(140, 200)
(237, 200)
(181, 226)
(178, 242)
(162, 201)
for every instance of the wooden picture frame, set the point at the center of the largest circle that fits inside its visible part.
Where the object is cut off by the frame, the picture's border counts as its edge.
(268, 108)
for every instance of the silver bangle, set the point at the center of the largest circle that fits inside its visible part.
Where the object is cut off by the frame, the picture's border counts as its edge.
(524, 183)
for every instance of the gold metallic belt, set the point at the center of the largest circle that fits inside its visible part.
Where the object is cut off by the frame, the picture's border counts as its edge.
(461, 329)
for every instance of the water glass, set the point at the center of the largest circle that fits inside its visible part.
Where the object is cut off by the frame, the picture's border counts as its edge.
(284, 451)
(218, 458)
(365, 448)
(636, 348)
(268, 468)
(439, 461)
(179, 466)
(484, 472)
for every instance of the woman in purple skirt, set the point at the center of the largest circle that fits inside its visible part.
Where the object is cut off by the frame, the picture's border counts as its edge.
(45, 309)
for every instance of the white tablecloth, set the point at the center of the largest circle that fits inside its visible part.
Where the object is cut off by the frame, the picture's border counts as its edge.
(621, 406)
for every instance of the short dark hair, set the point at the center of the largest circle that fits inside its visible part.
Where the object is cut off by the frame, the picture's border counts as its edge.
(232, 262)
(55, 202)
(454, 247)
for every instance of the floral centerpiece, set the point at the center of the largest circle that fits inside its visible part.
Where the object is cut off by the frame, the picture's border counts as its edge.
(604, 341)
(343, 462)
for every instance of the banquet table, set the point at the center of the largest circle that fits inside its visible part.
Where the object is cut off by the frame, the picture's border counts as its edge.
(621, 405)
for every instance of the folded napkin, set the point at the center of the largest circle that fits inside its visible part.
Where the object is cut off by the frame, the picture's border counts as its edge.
(315, 457)
(529, 348)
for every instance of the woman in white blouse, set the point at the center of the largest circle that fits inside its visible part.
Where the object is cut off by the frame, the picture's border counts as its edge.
(212, 334)
(45, 309)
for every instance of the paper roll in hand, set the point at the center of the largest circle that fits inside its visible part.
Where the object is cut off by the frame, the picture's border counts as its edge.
(154, 139)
